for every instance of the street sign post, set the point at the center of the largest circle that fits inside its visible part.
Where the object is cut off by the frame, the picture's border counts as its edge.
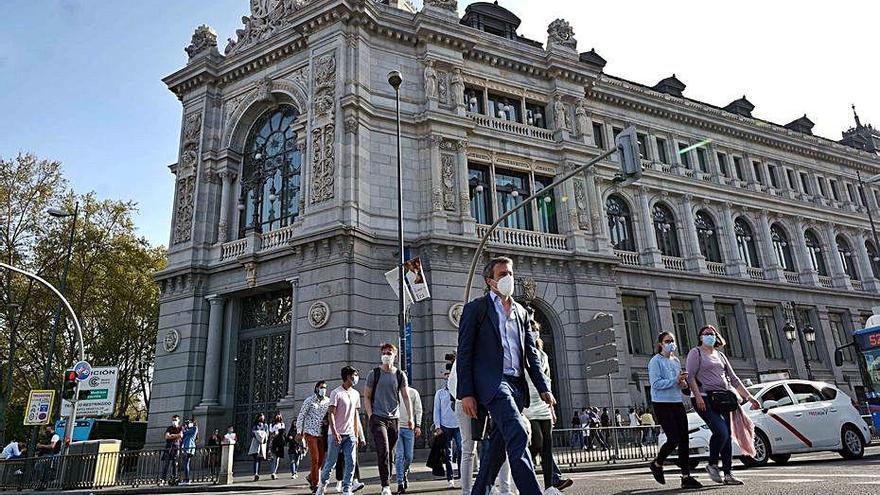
(600, 356)
(96, 395)
(39, 408)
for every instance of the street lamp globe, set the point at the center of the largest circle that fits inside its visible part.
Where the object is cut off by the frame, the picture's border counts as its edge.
(395, 79)
(810, 333)
(59, 213)
(790, 332)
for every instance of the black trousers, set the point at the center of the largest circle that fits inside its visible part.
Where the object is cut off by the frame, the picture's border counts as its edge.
(673, 419)
(542, 443)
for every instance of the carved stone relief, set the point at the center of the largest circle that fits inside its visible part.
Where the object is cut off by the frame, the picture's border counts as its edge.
(267, 18)
(454, 314)
(171, 341)
(186, 178)
(559, 32)
(319, 314)
(443, 87)
(204, 39)
(582, 204)
(451, 5)
(448, 178)
(324, 129)
(431, 89)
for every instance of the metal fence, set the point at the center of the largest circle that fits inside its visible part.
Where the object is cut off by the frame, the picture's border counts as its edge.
(109, 469)
(572, 447)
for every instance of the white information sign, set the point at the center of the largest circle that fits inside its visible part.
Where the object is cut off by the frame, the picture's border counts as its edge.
(97, 393)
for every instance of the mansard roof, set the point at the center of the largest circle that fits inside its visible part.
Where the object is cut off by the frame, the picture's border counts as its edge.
(592, 58)
(671, 85)
(741, 106)
(802, 124)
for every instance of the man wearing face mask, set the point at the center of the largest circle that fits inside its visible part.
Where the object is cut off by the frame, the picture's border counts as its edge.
(495, 351)
(385, 386)
(173, 437)
(446, 424)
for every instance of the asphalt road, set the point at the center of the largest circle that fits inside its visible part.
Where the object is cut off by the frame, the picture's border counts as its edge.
(821, 473)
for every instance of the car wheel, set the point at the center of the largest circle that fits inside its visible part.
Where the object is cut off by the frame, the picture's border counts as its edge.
(852, 442)
(762, 452)
(780, 458)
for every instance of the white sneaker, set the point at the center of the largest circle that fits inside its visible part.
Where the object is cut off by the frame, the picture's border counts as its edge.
(322, 487)
(714, 474)
(274, 476)
(450, 484)
(552, 491)
(338, 487)
(294, 476)
(357, 485)
(386, 490)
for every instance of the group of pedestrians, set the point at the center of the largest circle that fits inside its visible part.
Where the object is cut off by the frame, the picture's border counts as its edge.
(181, 438)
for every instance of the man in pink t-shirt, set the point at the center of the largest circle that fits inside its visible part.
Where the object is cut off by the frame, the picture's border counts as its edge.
(345, 427)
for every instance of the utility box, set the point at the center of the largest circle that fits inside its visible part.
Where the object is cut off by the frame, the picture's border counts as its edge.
(92, 464)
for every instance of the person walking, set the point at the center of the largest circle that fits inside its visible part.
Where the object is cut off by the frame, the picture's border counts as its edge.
(495, 351)
(384, 388)
(406, 442)
(173, 437)
(277, 442)
(667, 382)
(577, 434)
(469, 436)
(542, 417)
(295, 450)
(446, 422)
(188, 447)
(259, 443)
(312, 427)
(345, 427)
(714, 386)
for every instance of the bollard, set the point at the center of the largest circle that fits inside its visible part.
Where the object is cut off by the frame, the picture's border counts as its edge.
(226, 460)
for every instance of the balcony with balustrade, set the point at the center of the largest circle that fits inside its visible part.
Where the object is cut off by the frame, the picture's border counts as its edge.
(511, 127)
(524, 238)
(257, 243)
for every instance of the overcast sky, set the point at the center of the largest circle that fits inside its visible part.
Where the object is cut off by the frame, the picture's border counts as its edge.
(80, 80)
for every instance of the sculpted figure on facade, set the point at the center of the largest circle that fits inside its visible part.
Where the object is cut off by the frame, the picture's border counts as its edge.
(267, 18)
(560, 33)
(451, 5)
(559, 114)
(457, 87)
(204, 39)
(582, 119)
(431, 85)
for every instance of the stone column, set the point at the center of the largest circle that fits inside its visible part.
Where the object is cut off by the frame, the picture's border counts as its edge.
(865, 271)
(838, 273)
(286, 404)
(757, 342)
(226, 178)
(736, 266)
(468, 225)
(650, 255)
(808, 275)
(693, 258)
(772, 268)
(214, 351)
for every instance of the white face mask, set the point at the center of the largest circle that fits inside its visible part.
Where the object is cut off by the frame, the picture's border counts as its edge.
(505, 286)
(355, 380)
(388, 359)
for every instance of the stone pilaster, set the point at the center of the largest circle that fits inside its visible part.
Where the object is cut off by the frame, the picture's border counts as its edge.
(694, 260)
(650, 254)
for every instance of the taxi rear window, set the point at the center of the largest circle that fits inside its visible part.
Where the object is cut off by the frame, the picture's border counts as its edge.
(828, 393)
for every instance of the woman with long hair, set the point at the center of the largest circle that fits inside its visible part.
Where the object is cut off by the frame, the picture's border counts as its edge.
(277, 442)
(667, 382)
(259, 443)
(714, 386)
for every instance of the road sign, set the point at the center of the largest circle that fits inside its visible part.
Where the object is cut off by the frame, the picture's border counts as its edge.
(600, 353)
(602, 368)
(97, 395)
(39, 408)
(83, 370)
(597, 324)
(604, 337)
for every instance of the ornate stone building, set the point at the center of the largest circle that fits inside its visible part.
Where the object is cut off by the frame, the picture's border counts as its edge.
(285, 208)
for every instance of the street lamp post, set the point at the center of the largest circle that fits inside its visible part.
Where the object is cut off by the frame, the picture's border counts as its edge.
(7, 392)
(395, 79)
(803, 334)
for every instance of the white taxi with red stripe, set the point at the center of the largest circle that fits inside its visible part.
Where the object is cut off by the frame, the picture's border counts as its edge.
(797, 416)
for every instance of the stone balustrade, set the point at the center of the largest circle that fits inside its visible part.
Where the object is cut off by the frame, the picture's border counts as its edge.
(524, 238)
(716, 268)
(628, 258)
(512, 127)
(674, 263)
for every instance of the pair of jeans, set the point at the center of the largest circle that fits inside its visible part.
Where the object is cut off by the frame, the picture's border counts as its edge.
(384, 432)
(468, 449)
(317, 453)
(340, 468)
(404, 454)
(187, 460)
(673, 419)
(508, 435)
(542, 443)
(170, 457)
(720, 445)
(348, 448)
(577, 439)
(452, 436)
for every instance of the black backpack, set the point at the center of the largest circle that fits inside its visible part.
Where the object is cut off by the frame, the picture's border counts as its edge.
(374, 379)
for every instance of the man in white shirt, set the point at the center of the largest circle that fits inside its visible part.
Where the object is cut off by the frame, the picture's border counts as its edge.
(406, 441)
(446, 422)
(12, 450)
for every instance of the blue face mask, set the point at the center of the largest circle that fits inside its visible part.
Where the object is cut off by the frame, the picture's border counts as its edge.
(709, 340)
(670, 347)
(322, 392)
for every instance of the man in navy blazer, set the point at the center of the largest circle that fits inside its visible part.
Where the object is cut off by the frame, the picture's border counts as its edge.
(495, 351)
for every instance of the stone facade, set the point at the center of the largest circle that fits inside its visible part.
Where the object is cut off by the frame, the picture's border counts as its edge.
(257, 315)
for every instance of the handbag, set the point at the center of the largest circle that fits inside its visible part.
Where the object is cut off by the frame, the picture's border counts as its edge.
(722, 401)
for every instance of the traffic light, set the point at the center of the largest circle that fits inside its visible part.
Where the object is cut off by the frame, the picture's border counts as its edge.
(68, 389)
(627, 143)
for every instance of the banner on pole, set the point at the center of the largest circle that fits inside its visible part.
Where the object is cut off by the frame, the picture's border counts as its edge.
(97, 395)
(415, 278)
(39, 408)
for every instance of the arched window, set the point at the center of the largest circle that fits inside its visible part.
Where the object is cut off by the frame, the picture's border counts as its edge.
(620, 224)
(707, 235)
(745, 243)
(874, 258)
(664, 230)
(270, 179)
(814, 249)
(782, 248)
(846, 258)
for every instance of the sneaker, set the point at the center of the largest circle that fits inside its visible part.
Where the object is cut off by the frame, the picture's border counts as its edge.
(714, 474)
(322, 487)
(294, 476)
(338, 487)
(274, 476)
(401, 489)
(730, 480)
(386, 490)
(552, 491)
(563, 484)
(256, 477)
(406, 481)
(449, 484)
(657, 471)
(690, 482)
(357, 485)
